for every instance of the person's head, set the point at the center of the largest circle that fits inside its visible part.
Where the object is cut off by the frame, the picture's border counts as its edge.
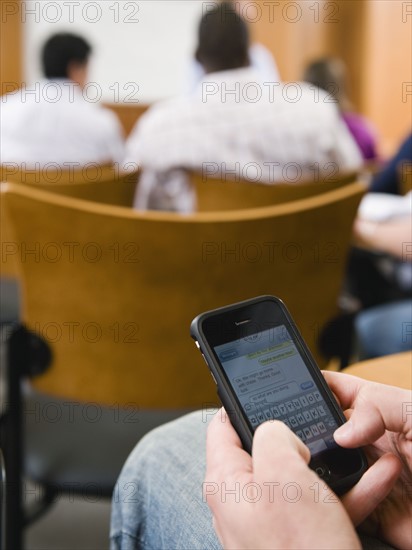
(329, 74)
(66, 55)
(223, 40)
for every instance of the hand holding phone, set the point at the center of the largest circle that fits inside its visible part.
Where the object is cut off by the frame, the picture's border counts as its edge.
(264, 371)
(287, 502)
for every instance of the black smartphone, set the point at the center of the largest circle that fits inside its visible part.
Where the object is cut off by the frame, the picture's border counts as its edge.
(264, 371)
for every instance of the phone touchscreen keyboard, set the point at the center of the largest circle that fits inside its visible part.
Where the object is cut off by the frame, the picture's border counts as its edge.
(305, 414)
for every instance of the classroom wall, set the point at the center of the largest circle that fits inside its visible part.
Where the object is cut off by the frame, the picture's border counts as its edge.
(387, 74)
(143, 48)
(138, 55)
(373, 37)
(11, 41)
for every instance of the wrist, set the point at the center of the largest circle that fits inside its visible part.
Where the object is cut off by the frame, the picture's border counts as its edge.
(366, 231)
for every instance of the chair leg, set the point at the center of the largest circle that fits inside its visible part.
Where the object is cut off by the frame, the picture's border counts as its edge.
(3, 485)
(26, 355)
(336, 339)
(11, 427)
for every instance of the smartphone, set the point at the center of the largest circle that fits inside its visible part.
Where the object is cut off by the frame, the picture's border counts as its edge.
(264, 371)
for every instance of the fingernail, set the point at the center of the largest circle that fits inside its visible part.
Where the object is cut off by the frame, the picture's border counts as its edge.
(344, 431)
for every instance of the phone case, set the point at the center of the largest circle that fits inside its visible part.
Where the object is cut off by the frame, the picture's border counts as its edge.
(225, 392)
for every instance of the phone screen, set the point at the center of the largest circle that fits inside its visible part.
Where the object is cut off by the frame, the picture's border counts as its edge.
(272, 381)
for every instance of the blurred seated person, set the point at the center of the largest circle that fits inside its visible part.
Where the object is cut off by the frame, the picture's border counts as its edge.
(387, 328)
(377, 272)
(377, 290)
(53, 121)
(260, 58)
(389, 178)
(330, 75)
(235, 125)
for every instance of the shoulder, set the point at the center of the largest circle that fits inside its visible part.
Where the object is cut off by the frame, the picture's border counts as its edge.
(160, 115)
(313, 101)
(17, 100)
(103, 118)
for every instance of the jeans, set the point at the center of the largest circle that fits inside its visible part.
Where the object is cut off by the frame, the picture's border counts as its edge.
(158, 502)
(385, 329)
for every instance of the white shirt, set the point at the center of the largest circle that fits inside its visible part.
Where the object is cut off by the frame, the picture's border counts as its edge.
(54, 122)
(260, 58)
(236, 124)
(382, 207)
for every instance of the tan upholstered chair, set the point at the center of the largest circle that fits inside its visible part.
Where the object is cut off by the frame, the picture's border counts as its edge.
(224, 194)
(128, 113)
(8, 260)
(405, 174)
(114, 290)
(104, 184)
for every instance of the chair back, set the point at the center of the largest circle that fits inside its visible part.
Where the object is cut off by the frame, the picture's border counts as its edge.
(128, 114)
(114, 290)
(225, 194)
(104, 184)
(405, 175)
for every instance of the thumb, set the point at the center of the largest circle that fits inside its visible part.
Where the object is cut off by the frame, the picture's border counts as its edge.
(364, 426)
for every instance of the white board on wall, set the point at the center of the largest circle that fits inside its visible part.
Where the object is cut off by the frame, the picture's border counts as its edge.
(142, 49)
